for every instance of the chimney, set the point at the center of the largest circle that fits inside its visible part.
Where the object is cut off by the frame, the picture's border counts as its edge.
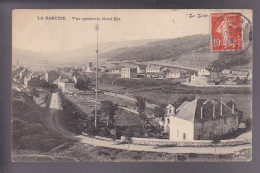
(201, 112)
(214, 111)
(233, 106)
(221, 107)
(173, 111)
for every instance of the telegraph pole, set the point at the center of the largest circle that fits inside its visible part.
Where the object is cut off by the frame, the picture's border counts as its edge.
(97, 28)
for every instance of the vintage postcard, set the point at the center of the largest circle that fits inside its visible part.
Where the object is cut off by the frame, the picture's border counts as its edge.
(131, 85)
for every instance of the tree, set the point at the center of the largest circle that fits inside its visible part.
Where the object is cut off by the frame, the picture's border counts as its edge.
(140, 103)
(34, 92)
(109, 109)
(160, 111)
(75, 72)
(239, 112)
(83, 84)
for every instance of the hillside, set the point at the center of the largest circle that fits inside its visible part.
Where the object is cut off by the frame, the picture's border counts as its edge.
(162, 49)
(190, 51)
(43, 61)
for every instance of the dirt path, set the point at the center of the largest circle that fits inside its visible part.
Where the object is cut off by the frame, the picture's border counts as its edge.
(55, 101)
(54, 115)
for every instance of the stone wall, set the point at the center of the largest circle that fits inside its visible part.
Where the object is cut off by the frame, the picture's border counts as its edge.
(195, 143)
(218, 127)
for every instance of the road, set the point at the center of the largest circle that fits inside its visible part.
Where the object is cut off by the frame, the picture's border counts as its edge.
(55, 101)
(55, 114)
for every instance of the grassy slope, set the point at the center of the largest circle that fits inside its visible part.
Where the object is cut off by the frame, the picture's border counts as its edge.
(189, 51)
(28, 130)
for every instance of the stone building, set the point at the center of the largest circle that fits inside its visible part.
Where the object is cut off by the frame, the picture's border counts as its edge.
(202, 119)
(128, 72)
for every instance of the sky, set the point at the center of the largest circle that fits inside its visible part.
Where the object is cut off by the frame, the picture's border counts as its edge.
(53, 36)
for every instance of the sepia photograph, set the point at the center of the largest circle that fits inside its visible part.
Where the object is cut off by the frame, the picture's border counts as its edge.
(132, 85)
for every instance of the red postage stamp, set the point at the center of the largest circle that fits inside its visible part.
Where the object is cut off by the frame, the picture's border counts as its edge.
(226, 32)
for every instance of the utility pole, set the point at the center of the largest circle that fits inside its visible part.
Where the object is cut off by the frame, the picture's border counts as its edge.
(97, 28)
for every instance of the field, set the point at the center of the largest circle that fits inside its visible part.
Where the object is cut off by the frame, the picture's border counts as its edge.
(158, 91)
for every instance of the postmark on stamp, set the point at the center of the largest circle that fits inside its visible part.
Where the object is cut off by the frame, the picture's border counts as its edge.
(226, 32)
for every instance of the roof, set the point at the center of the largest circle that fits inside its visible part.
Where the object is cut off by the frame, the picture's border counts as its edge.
(182, 105)
(192, 111)
(142, 67)
(128, 65)
(153, 67)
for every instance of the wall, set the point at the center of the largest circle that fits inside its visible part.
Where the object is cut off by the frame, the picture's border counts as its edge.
(178, 127)
(194, 143)
(216, 126)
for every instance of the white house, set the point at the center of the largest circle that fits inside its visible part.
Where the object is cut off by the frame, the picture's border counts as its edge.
(203, 72)
(128, 72)
(67, 86)
(202, 119)
(199, 80)
(173, 73)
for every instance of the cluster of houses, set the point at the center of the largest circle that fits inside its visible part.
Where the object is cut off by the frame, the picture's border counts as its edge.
(207, 76)
(200, 119)
(149, 71)
(31, 80)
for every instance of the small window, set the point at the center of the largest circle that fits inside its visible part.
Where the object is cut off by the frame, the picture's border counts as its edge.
(177, 133)
(184, 136)
(168, 121)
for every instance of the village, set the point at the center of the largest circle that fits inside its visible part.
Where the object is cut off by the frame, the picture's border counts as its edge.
(188, 118)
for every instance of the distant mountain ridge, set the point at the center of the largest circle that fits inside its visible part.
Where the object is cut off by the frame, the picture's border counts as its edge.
(189, 51)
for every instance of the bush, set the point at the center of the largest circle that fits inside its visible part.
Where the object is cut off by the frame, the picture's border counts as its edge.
(181, 158)
(34, 92)
(193, 155)
(215, 139)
